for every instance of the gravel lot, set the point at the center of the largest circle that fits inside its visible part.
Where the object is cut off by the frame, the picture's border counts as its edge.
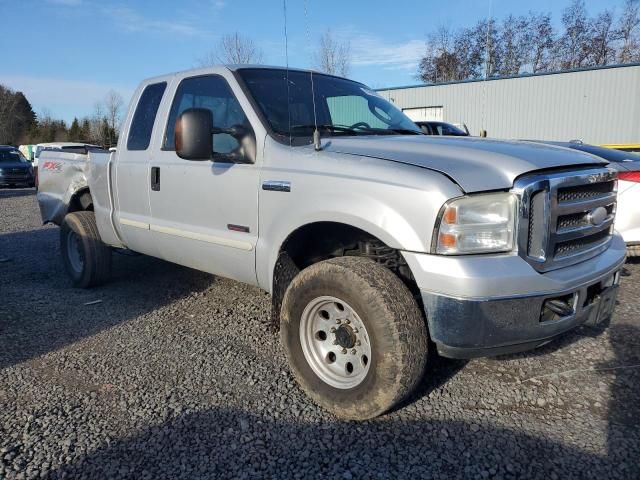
(175, 374)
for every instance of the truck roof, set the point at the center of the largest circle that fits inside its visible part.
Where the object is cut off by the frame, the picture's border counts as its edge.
(229, 67)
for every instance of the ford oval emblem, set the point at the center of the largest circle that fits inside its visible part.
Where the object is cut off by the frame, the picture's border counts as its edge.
(597, 216)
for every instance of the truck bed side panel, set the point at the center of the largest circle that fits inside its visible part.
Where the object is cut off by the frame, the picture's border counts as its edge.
(60, 177)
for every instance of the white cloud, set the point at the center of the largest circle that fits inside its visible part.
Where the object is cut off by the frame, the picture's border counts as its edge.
(132, 21)
(63, 98)
(219, 4)
(371, 50)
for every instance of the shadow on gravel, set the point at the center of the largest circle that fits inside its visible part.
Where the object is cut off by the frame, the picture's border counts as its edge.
(11, 193)
(438, 372)
(624, 408)
(233, 444)
(40, 311)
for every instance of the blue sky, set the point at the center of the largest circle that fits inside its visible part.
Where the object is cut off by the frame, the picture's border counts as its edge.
(66, 54)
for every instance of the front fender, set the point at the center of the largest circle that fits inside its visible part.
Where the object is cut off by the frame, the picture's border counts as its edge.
(400, 211)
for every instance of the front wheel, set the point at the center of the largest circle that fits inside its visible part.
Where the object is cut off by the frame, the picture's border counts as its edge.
(86, 259)
(354, 336)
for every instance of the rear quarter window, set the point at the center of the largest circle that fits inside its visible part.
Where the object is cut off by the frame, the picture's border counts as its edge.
(145, 116)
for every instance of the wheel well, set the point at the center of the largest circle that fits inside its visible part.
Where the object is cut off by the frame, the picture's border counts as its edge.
(319, 241)
(81, 201)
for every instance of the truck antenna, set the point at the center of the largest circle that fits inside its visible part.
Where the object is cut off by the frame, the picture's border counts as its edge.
(317, 142)
(286, 56)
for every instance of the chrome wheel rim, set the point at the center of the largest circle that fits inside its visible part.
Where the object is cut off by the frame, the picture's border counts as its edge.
(74, 252)
(335, 342)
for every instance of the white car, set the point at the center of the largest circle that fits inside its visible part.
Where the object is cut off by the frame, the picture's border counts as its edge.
(628, 210)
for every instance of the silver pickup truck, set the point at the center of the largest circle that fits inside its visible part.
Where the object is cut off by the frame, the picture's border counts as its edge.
(375, 241)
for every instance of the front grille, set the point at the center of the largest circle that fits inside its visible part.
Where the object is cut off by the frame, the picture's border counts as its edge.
(14, 178)
(583, 192)
(566, 218)
(564, 249)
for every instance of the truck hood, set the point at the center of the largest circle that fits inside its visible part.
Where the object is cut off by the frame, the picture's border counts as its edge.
(476, 164)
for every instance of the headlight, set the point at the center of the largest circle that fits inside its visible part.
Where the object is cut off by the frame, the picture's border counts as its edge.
(481, 223)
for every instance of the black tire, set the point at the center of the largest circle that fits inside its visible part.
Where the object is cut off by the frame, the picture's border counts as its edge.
(395, 325)
(94, 266)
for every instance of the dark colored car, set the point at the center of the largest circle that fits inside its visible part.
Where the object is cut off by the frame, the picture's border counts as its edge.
(15, 169)
(620, 160)
(441, 128)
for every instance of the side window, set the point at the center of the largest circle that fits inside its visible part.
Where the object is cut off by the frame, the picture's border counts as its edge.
(351, 109)
(213, 93)
(446, 129)
(145, 116)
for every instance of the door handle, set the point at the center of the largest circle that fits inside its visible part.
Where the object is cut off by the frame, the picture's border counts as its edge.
(155, 179)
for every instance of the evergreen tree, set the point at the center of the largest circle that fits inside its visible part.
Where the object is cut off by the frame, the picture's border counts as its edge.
(75, 133)
(85, 130)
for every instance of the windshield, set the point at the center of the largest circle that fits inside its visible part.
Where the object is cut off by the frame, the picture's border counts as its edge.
(342, 107)
(11, 156)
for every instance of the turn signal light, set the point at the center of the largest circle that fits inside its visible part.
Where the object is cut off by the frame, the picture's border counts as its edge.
(450, 215)
(448, 240)
(629, 176)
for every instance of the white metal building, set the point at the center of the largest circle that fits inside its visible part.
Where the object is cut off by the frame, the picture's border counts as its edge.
(596, 105)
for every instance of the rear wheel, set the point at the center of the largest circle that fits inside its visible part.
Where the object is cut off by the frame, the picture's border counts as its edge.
(354, 336)
(86, 259)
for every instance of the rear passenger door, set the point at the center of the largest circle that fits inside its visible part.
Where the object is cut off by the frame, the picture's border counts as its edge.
(133, 213)
(205, 213)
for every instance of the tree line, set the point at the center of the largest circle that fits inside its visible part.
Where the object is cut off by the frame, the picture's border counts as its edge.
(531, 44)
(19, 124)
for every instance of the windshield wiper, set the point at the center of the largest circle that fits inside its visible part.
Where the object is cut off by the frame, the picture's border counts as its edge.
(331, 128)
(361, 130)
(405, 131)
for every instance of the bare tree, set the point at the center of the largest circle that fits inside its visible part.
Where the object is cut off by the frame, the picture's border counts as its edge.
(95, 123)
(233, 48)
(602, 36)
(514, 44)
(572, 50)
(627, 32)
(486, 45)
(469, 53)
(333, 56)
(439, 64)
(542, 41)
(114, 105)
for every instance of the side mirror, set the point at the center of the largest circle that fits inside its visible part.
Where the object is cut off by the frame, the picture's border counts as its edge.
(194, 134)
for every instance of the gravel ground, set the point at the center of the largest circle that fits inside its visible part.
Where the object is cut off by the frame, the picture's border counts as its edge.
(175, 374)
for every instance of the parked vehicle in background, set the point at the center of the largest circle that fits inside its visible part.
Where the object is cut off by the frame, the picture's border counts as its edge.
(15, 169)
(372, 238)
(628, 209)
(29, 151)
(625, 147)
(463, 127)
(441, 128)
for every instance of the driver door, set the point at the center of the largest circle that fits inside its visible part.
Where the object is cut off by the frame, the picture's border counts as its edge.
(205, 213)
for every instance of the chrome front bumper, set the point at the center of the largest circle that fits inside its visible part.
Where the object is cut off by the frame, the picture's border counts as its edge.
(493, 310)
